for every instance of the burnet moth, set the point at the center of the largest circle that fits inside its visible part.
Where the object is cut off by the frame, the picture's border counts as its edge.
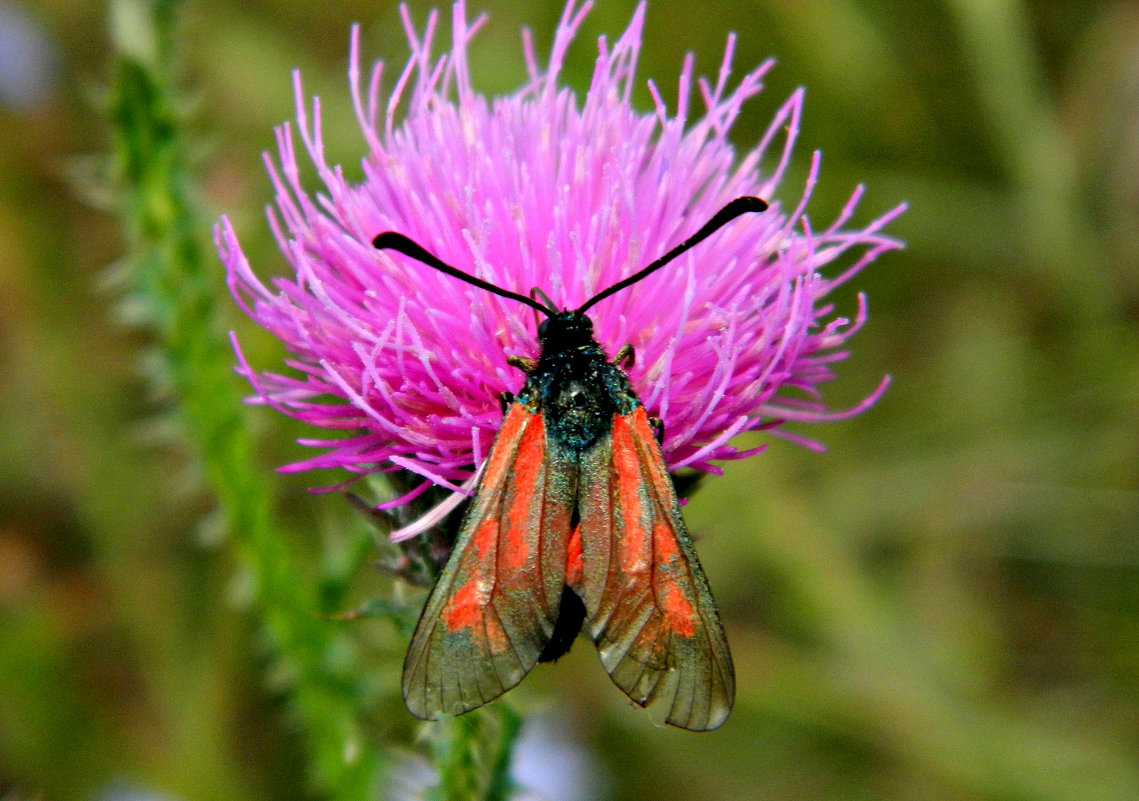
(574, 524)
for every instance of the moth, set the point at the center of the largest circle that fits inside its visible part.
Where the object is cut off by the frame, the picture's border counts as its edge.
(574, 525)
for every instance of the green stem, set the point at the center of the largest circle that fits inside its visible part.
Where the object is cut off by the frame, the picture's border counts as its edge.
(472, 754)
(177, 287)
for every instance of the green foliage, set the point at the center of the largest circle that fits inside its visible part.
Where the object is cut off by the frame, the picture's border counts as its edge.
(472, 754)
(944, 605)
(177, 287)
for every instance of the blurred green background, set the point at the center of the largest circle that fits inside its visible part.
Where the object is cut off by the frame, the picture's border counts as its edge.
(945, 605)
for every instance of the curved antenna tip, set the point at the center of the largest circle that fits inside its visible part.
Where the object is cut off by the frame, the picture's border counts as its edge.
(733, 209)
(745, 204)
(412, 249)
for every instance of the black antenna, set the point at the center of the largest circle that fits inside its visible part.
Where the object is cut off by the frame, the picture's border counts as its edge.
(391, 240)
(398, 242)
(741, 205)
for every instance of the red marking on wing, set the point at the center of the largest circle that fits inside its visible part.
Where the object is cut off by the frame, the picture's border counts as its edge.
(517, 420)
(573, 561)
(627, 473)
(469, 599)
(464, 609)
(493, 609)
(647, 602)
(639, 513)
(528, 464)
(678, 608)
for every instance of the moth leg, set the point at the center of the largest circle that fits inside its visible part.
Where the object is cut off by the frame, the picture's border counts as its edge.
(624, 358)
(522, 363)
(657, 426)
(506, 398)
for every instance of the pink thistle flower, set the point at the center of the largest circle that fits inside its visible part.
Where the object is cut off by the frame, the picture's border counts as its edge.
(544, 189)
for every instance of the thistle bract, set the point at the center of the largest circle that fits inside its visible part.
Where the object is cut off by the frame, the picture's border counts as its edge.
(544, 188)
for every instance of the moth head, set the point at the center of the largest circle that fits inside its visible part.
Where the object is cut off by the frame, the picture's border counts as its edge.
(567, 329)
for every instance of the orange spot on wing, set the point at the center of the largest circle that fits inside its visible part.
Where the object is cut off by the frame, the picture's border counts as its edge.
(522, 434)
(528, 463)
(516, 419)
(464, 609)
(640, 475)
(678, 610)
(664, 543)
(632, 549)
(485, 538)
(575, 569)
(653, 458)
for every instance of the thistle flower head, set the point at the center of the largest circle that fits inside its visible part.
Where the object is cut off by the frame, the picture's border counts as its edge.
(544, 188)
